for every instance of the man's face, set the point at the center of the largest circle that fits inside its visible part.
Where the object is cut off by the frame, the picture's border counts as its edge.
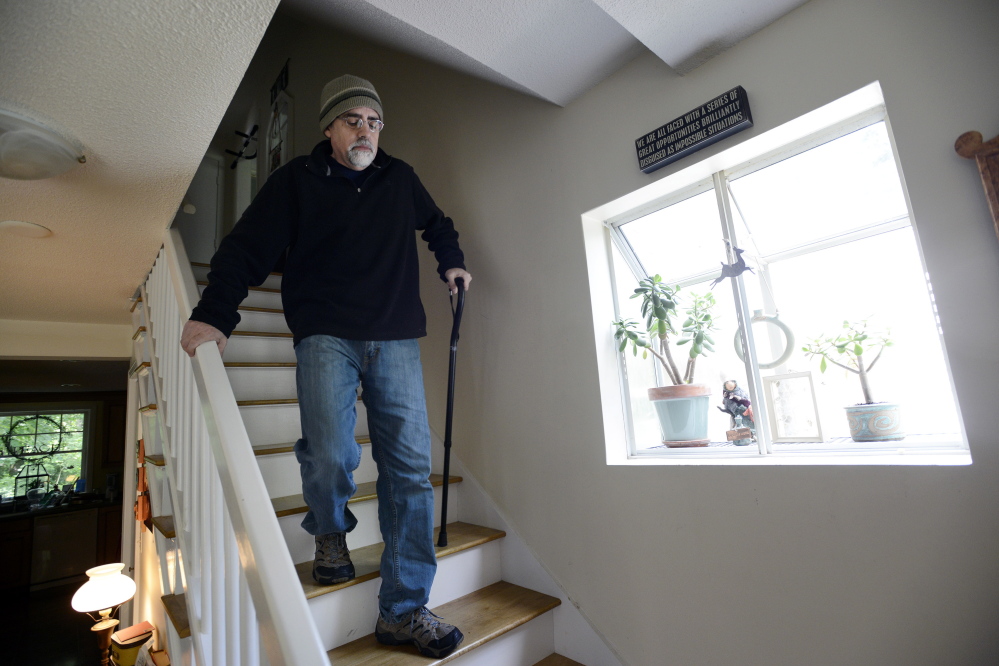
(354, 148)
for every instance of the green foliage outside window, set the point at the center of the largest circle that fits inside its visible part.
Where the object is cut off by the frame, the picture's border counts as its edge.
(53, 440)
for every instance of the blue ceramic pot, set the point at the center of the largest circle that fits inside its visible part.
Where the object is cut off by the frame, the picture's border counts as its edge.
(877, 422)
(683, 413)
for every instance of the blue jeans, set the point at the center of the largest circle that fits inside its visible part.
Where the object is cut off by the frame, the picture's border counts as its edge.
(391, 378)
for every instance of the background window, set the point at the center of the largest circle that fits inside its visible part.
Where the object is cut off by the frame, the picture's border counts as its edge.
(40, 450)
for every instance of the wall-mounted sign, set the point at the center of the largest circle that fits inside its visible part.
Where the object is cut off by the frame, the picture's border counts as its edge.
(721, 117)
(281, 82)
(279, 128)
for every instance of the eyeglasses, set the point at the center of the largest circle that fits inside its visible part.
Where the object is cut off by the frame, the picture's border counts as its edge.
(355, 121)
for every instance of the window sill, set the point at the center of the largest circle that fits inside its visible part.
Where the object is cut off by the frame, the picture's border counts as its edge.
(913, 456)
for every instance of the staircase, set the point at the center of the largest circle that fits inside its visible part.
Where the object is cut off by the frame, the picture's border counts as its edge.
(503, 623)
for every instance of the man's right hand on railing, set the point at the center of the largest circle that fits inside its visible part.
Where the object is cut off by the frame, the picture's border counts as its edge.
(196, 333)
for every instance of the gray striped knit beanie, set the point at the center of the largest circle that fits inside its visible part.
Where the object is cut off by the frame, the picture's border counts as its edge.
(343, 94)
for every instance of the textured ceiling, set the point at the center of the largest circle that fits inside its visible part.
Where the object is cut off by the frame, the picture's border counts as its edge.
(142, 87)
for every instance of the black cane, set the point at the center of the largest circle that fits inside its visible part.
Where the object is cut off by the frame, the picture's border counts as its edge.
(460, 283)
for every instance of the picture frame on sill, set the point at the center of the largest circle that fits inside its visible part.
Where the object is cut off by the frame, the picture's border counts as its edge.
(792, 408)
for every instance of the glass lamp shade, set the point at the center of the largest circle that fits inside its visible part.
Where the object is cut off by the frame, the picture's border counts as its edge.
(108, 587)
(30, 151)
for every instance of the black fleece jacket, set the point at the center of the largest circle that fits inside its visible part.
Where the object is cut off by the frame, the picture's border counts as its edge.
(352, 269)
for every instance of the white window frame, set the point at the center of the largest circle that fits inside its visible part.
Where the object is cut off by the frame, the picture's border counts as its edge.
(835, 119)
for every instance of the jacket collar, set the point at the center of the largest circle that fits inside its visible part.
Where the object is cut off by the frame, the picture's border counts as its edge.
(317, 160)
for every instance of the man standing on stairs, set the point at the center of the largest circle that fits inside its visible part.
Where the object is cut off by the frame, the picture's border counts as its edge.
(348, 215)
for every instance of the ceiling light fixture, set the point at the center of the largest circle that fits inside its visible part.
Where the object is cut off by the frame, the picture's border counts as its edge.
(31, 151)
(25, 229)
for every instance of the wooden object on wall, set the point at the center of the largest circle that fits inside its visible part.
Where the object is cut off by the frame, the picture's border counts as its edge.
(114, 442)
(109, 534)
(986, 154)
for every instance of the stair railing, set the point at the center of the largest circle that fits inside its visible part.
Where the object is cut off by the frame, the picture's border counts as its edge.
(223, 517)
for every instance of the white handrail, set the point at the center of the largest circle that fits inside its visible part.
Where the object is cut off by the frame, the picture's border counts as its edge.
(221, 505)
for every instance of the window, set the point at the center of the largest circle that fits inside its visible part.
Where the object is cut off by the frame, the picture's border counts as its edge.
(41, 450)
(832, 267)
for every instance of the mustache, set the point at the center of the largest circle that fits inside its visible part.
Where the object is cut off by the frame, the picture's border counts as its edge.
(361, 142)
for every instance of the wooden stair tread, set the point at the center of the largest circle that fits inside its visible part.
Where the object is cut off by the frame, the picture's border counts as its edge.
(261, 334)
(482, 616)
(157, 459)
(366, 560)
(264, 289)
(165, 525)
(135, 304)
(271, 449)
(148, 408)
(139, 331)
(137, 369)
(555, 659)
(249, 308)
(176, 608)
(247, 364)
(270, 401)
(292, 504)
(203, 265)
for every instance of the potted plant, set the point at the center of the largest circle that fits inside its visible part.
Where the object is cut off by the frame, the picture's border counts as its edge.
(869, 421)
(682, 407)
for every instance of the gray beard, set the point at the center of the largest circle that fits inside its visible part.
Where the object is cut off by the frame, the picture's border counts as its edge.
(359, 158)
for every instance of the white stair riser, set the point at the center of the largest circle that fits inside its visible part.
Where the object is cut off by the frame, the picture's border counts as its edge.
(147, 390)
(262, 383)
(201, 275)
(348, 614)
(150, 434)
(250, 349)
(283, 477)
(257, 299)
(281, 424)
(140, 349)
(159, 490)
(262, 322)
(169, 563)
(181, 650)
(524, 646)
(138, 316)
(466, 572)
(302, 545)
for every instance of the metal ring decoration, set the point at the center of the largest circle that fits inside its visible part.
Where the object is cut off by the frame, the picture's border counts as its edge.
(788, 338)
(18, 452)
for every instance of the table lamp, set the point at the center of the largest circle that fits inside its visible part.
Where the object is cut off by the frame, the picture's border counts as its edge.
(107, 589)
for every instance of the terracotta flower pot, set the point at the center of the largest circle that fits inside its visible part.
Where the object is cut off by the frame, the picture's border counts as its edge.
(683, 413)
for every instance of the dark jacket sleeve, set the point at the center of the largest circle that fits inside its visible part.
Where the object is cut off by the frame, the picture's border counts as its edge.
(248, 254)
(438, 230)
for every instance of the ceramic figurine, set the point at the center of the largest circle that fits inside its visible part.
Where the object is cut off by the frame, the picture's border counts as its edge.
(736, 404)
(736, 401)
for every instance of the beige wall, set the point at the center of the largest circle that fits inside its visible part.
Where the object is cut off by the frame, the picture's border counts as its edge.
(712, 565)
(50, 339)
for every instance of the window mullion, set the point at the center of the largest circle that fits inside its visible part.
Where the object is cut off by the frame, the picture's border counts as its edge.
(744, 317)
(624, 250)
(627, 253)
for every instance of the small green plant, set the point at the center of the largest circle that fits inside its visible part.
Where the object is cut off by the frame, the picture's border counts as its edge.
(850, 351)
(659, 307)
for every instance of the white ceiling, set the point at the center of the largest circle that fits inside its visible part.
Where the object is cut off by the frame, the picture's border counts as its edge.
(142, 87)
(552, 49)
